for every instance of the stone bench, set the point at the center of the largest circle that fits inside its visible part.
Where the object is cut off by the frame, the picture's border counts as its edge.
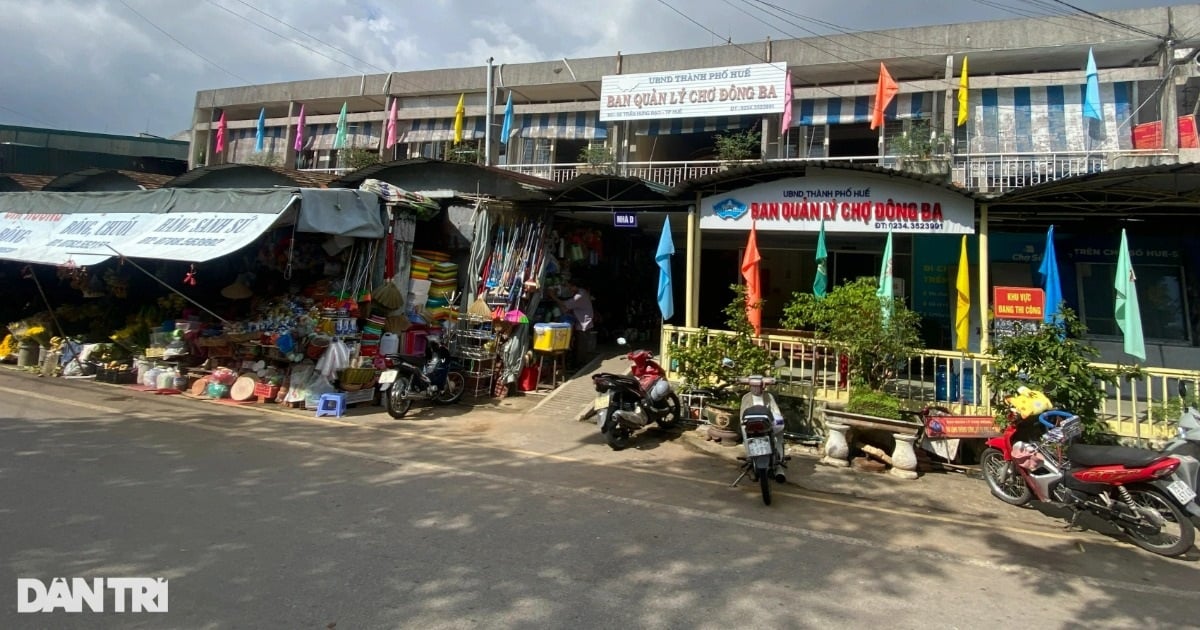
(837, 449)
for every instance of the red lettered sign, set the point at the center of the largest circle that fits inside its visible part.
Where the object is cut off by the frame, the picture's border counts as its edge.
(1018, 303)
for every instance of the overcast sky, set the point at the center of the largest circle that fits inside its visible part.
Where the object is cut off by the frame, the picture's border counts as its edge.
(124, 66)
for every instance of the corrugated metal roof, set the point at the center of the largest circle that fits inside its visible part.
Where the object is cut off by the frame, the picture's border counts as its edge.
(303, 179)
(600, 190)
(28, 182)
(749, 174)
(354, 178)
(68, 181)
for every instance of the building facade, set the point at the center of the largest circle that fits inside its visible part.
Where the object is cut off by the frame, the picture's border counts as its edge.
(1025, 126)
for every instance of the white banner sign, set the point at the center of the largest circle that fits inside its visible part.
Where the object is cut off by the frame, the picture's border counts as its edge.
(846, 202)
(731, 91)
(84, 239)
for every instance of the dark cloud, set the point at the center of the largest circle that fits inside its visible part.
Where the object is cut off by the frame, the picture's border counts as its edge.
(96, 65)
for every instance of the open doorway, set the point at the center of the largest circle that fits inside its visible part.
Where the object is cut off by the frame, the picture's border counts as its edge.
(855, 140)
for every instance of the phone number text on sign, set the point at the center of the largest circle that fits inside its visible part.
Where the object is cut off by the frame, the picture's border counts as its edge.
(911, 227)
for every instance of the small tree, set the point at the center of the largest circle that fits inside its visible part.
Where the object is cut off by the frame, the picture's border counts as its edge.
(356, 158)
(1056, 361)
(851, 317)
(598, 158)
(920, 142)
(736, 146)
(464, 154)
(701, 360)
(264, 159)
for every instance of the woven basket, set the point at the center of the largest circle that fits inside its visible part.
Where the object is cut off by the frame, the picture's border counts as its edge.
(397, 324)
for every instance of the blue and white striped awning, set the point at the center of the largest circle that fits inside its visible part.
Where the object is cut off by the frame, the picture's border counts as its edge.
(442, 130)
(841, 111)
(362, 135)
(676, 126)
(561, 126)
(1048, 118)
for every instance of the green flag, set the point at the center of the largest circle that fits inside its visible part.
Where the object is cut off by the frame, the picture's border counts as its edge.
(339, 141)
(1127, 313)
(886, 291)
(821, 280)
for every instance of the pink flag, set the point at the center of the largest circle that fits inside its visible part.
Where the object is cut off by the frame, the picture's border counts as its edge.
(391, 126)
(299, 145)
(787, 105)
(221, 133)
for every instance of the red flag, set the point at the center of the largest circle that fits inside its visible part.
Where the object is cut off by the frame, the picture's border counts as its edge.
(753, 289)
(884, 91)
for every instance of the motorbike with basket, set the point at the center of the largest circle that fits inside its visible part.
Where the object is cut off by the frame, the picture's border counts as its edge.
(626, 403)
(762, 436)
(402, 381)
(1137, 490)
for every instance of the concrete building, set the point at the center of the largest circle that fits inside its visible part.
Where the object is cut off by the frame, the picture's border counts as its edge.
(1025, 126)
(56, 152)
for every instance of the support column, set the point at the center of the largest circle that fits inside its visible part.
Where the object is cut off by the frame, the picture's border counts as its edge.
(948, 107)
(692, 302)
(984, 294)
(289, 137)
(387, 119)
(1170, 109)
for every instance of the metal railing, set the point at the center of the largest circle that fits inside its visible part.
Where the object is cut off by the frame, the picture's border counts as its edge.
(980, 172)
(1133, 408)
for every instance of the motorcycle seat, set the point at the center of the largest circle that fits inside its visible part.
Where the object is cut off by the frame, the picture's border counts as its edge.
(1091, 455)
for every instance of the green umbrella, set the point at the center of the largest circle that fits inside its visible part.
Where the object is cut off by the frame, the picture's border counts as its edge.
(339, 141)
(886, 290)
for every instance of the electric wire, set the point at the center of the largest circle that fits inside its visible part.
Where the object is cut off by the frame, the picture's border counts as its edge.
(183, 45)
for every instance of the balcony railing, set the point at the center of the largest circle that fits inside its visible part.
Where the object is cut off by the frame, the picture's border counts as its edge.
(980, 172)
(1134, 408)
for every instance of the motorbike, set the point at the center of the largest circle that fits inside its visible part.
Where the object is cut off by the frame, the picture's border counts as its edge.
(1187, 442)
(762, 435)
(626, 403)
(1136, 490)
(403, 382)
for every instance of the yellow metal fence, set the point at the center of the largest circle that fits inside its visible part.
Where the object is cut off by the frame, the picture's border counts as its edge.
(1134, 408)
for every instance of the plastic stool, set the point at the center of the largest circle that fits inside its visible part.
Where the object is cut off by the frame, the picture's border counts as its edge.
(331, 405)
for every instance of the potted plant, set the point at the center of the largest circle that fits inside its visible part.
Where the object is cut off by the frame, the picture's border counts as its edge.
(356, 158)
(922, 150)
(718, 361)
(851, 318)
(597, 158)
(737, 146)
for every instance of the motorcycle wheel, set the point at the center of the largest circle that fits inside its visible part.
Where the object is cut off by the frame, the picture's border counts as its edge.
(671, 417)
(1003, 479)
(398, 402)
(452, 390)
(1173, 538)
(764, 483)
(618, 438)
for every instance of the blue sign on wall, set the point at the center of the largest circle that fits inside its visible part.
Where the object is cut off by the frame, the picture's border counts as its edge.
(625, 219)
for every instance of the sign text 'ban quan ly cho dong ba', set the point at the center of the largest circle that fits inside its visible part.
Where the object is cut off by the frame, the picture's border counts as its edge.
(753, 89)
(844, 201)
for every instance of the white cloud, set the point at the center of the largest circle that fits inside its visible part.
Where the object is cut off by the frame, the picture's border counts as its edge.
(95, 65)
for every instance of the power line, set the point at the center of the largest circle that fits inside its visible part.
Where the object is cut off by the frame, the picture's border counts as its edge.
(27, 116)
(714, 33)
(183, 45)
(325, 43)
(280, 35)
(1109, 20)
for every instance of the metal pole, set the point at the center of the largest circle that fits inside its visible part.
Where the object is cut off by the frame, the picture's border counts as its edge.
(489, 109)
(984, 294)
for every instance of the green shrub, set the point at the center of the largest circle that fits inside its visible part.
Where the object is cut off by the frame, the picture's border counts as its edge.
(700, 359)
(873, 403)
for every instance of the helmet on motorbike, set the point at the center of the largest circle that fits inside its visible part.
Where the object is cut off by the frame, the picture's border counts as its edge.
(659, 390)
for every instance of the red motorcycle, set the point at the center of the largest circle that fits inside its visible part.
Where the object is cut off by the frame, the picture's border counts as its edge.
(625, 403)
(1135, 489)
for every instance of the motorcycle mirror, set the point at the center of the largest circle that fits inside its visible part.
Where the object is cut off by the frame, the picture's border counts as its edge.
(727, 362)
(622, 342)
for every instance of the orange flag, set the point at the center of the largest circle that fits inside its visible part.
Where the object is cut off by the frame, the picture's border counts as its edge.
(753, 288)
(884, 91)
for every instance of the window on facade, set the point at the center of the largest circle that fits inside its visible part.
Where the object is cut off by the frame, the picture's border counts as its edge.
(1160, 295)
(537, 151)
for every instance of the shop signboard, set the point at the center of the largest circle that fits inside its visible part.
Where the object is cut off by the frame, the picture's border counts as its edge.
(84, 239)
(846, 201)
(728, 91)
(1018, 303)
(625, 219)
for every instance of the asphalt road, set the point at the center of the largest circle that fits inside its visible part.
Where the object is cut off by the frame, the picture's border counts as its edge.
(271, 521)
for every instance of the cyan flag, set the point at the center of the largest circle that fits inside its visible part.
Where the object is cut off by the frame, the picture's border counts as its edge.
(662, 256)
(1051, 285)
(821, 279)
(1091, 95)
(261, 132)
(506, 129)
(1127, 312)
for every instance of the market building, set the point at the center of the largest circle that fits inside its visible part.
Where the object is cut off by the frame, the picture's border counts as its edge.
(656, 118)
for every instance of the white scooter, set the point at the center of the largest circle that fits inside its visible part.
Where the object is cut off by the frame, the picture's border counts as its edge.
(762, 435)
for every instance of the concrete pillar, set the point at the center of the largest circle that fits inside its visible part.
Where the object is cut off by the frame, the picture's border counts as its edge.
(948, 102)
(692, 301)
(1169, 106)
(985, 294)
(289, 137)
